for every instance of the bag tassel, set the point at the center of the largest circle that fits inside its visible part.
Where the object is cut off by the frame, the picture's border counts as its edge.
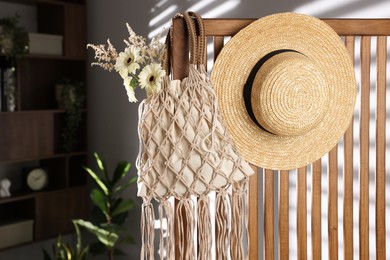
(185, 222)
(204, 228)
(239, 232)
(169, 236)
(223, 222)
(147, 230)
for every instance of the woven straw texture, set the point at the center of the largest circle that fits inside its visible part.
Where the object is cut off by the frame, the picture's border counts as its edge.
(306, 118)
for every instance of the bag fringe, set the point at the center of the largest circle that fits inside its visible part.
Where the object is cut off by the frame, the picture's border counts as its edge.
(223, 223)
(169, 236)
(239, 233)
(185, 215)
(147, 231)
(204, 229)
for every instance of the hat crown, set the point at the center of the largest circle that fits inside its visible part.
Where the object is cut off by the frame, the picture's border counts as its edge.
(290, 95)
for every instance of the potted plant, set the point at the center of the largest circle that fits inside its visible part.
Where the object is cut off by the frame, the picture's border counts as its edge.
(13, 45)
(108, 215)
(69, 95)
(13, 39)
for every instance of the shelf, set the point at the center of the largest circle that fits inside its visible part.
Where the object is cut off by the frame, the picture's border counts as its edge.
(49, 57)
(28, 195)
(17, 196)
(32, 135)
(37, 111)
(53, 156)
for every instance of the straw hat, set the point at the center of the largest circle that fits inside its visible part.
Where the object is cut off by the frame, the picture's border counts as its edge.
(286, 89)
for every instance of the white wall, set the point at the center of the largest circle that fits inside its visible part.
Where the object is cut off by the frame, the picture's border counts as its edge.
(112, 120)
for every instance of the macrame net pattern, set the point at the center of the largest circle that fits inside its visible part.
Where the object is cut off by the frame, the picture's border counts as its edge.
(186, 152)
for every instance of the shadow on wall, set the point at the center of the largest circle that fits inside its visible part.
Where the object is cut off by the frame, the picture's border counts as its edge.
(162, 11)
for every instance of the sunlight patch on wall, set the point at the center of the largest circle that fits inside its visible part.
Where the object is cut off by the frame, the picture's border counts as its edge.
(221, 9)
(199, 5)
(373, 10)
(357, 9)
(315, 8)
(163, 11)
(167, 13)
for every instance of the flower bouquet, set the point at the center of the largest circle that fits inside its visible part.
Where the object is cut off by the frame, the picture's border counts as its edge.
(139, 64)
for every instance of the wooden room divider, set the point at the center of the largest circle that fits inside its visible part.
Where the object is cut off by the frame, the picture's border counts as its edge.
(345, 190)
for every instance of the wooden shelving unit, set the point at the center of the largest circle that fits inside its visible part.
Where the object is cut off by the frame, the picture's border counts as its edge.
(32, 133)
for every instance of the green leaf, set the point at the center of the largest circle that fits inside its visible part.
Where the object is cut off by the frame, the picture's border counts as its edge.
(120, 171)
(99, 162)
(102, 166)
(128, 239)
(81, 252)
(97, 249)
(100, 200)
(134, 83)
(63, 251)
(107, 238)
(123, 206)
(98, 181)
(122, 187)
(46, 255)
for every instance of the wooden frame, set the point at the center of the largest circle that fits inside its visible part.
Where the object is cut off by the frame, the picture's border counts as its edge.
(352, 30)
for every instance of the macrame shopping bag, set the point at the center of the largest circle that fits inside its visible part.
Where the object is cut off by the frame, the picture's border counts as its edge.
(185, 151)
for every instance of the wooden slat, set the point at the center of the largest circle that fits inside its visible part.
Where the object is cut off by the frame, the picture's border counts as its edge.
(284, 215)
(218, 44)
(348, 173)
(269, 237)
(364, 148)
(316, 218)
(302, 214)
(357, 27)
(380, 206)
(333, 205)
(253, 224)
(351, 27)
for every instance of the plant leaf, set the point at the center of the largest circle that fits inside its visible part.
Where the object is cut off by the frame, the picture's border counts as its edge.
(121, 188)
(128, 239)
(121, 170)
(107, 238)
(123, 206)
(99, 199)
(46, 255)
(97, 249)
(81, 252)
(98, 181)
(102, 166)
(99, 161)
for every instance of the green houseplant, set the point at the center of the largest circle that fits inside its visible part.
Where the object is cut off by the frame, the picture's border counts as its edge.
(111, 209)
(64, 251)
(70, 96)
(108, 216)
(13, 39)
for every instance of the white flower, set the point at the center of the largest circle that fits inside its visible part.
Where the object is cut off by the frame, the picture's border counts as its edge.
(150, 78)
(129, 89)
(127, 61)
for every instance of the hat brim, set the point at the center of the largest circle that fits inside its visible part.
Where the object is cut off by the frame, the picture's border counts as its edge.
(311, 37)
